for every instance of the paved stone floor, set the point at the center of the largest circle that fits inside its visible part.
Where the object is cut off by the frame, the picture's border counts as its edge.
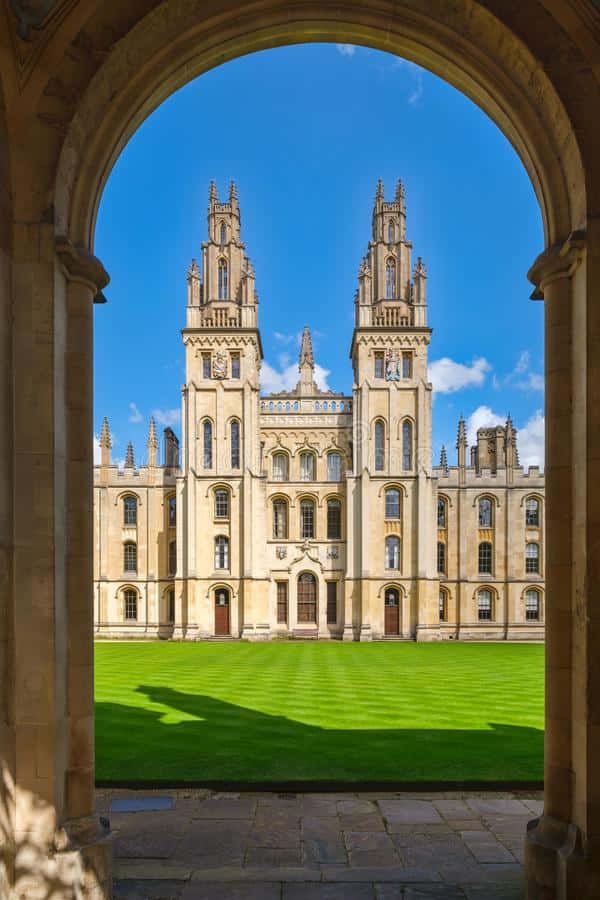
(203, 845)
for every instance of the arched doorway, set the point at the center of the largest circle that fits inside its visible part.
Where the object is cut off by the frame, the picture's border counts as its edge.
(307, 599)
(531, 68)
(222, 624)
(392, 611)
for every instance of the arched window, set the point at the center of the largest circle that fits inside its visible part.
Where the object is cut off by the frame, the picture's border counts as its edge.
(223, 286)
(392, 503)
(207, 441)
(484, 604)
(392, 552)
(172, 557)
(130, 510)
(334, 520)
(221, 552)
(280, 519)
(379, 446)
(441, 558)
(307, 467)
(280, 467)
(391, 233)
(130, 557)
(532, 513)
(485, 513)
(407, 441)
(307, 519)
(307, 598)
(222, 234)
(441, 513)
(443, 605)
(172, 511)
(532, 557)
(221, 503)
(235, 444)
(485, 558)
(532, 605)
(130, 603)
(390, 279)
(334, 467)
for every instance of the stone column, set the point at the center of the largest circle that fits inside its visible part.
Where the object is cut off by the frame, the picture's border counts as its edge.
(53, 842)
(562, 860)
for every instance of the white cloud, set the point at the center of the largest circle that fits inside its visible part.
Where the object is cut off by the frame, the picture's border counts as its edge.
(97, 451)
(521, 376)
(285, 338)
(530, 438)
(522, 362)
(530, 441)
(272, 380)
(167, 416)
(134, 413)
(346, 49)
(448, 376)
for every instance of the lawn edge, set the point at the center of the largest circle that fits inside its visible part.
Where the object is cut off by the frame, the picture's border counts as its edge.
(315, 787)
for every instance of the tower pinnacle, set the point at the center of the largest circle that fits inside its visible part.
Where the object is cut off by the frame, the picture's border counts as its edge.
(129, 461)
(105, 443)
(152, 443)
(306, 364)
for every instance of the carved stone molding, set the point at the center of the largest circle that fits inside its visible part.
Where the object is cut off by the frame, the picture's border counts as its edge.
(557, 262)
(82, 265)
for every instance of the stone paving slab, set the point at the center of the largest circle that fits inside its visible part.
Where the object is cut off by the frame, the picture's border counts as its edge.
(382, 845)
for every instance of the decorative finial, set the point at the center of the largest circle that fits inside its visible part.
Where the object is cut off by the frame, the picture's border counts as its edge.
(420, 270)
(306, 350)
(105, 440)
(212, 194)
(232, 191)
(129, 461)
(193, 271)
(152, 439)
(462, 433)
(379, 191)
(399, 192)
(444, 460)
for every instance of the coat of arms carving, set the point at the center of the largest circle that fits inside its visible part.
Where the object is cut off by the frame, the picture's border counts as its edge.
(219, 365)
(393, 366)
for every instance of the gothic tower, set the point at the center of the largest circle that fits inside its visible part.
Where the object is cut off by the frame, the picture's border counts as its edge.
(392, 429)
(219, 503)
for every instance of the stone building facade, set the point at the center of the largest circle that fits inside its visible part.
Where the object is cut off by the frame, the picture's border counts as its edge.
(312, 513)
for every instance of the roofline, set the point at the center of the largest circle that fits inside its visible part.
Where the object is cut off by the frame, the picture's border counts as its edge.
(381, 329)
(217, 330)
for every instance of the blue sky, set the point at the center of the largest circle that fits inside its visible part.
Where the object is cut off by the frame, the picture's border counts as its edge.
(306, 131)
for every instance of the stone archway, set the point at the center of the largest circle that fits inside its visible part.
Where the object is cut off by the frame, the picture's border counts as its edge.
(71, 97)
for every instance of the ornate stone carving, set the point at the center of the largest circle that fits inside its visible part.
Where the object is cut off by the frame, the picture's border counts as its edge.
(219, 365)
(281, 552)
(393, 366)
(333, 553)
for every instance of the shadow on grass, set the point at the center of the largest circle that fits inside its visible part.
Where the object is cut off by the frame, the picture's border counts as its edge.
(228, 742)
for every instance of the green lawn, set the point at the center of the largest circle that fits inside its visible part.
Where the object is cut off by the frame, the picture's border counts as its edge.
(292, 711)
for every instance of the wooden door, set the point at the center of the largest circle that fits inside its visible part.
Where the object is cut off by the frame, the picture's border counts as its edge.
(221, 611)
(307, 599)
(392, 611)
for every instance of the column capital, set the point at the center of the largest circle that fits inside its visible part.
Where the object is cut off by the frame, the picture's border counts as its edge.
(81, 265)
(558, 261)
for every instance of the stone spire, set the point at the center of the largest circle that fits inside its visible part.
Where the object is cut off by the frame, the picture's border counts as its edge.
(105, 443)
(152, 443)
(461, 446)
(212, 193)
(233, 197)
(129, 461)
(444, 460)
(510, 444)
(399, 197)
(306, 364)
(194, 286)
(379, 190)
